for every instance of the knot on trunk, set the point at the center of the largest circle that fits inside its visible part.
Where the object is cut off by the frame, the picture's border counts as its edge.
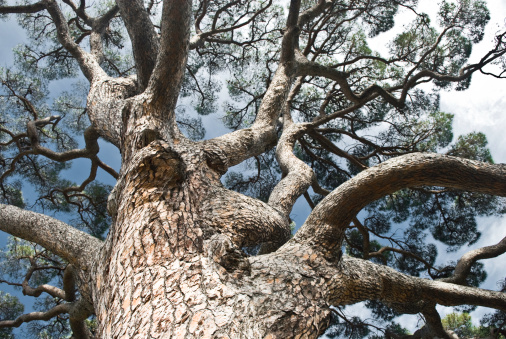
(147, 136)
(162, 168)
(222, 251)
(216, 159)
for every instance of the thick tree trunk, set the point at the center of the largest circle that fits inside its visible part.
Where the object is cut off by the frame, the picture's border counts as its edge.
(172, 263)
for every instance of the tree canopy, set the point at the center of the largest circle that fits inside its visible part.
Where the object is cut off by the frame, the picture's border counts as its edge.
(304, 108)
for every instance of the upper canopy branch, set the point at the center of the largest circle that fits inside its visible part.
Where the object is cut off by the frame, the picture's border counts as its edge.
(199, 39)
(325, 226)
(77, 247)
(170, 66)
(88, 63)
(33, 8)
(145, 41)
(243, 144)
(466, 262)
(306, 67)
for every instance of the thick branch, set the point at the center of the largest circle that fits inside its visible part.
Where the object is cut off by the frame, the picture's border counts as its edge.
(325, 226)
(143, 37)
(298, 176)
(360, 280)
(171, 61)
(34, 8)
(58, 237)
(433, 322)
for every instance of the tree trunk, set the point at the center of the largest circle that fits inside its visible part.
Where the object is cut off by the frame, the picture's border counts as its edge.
(172, 263)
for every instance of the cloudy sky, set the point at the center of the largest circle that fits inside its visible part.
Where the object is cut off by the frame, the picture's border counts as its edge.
(480, 108)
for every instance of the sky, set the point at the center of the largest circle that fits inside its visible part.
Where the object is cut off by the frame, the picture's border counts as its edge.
(480, 108)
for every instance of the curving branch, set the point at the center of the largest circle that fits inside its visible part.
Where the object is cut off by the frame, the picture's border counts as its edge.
(466, 262)
(80, 310)
(75, 246)
(297, 175)
(36, 292)
(55, 311)
(88, 63)
(325, 226)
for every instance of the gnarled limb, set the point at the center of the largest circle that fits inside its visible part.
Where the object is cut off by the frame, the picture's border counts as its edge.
(88, 63)
(465, 263)
(58, 309)
(325, 226)
(359, 280)
(60, 238)
(78, 308)
(298, 176)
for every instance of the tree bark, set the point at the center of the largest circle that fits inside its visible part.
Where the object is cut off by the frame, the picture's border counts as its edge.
(173, 265)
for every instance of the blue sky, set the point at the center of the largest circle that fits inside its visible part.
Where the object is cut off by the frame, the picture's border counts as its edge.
(480, 108)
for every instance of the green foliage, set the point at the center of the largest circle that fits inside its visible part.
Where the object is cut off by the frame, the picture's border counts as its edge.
(20, 255)
(472, 146)
(10, 309)
(496, 320)
(461, 324)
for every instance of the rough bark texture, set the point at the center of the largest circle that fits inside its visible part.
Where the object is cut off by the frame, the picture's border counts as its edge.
(173, 263)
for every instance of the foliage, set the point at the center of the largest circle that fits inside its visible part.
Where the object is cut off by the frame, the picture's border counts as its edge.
(229, 72)
(10, 308)
(461, 324)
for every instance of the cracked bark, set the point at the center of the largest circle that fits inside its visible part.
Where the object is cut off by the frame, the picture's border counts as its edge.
(172, 263)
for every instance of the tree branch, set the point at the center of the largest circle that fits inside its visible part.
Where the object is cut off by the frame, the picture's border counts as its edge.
(466, 262)
(298, 176)
(325, 226)
(88, 63)
(58, 237)
(58, 309)
(145, 41)
(359, 280)
(34, 8)
(170, 66)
